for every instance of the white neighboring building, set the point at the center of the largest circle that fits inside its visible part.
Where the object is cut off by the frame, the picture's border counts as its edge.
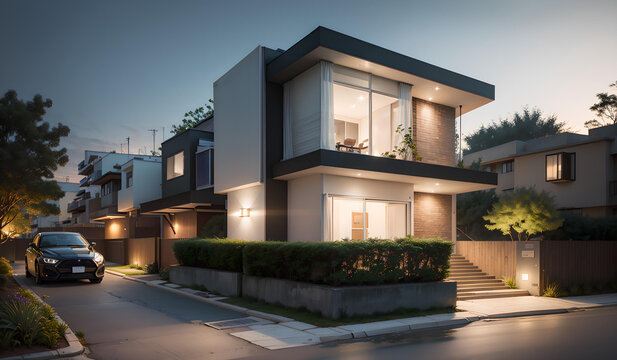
(140, 182)
(70, 190)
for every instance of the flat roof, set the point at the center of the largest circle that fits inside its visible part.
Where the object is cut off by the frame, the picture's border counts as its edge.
(325, 44)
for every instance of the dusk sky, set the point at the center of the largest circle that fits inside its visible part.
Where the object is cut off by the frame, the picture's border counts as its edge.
(115, 69)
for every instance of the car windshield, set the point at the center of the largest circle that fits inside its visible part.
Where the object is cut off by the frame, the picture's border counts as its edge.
(62, 240)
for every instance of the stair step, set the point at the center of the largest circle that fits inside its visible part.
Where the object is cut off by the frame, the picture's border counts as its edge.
(480, 284)
(471, 277)
(476, 281)
(492, 294)
(466, 271)
(481, 288)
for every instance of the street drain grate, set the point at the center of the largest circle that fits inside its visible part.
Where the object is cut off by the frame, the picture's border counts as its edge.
(226, 324)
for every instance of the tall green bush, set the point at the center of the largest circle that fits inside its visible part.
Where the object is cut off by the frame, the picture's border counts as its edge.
(350, 262)
(220, 254)
(579, 227)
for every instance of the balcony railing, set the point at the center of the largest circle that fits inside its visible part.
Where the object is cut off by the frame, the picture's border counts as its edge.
(84, 181)
(76, 204)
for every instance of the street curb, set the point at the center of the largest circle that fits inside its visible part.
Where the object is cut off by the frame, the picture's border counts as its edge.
(75, 347)
(359, 334)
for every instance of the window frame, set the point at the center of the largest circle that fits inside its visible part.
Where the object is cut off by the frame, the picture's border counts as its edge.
(210, 172)
(561, 161)
(173, 156)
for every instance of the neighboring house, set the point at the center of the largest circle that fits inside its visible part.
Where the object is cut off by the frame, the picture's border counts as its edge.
(300, 136)
(42, 221)
(188, 200)
(79, 207)
(579, 171)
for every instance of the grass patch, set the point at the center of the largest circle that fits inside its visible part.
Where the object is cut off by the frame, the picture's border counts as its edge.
(128, 269)
(81, 336)
(309, 317)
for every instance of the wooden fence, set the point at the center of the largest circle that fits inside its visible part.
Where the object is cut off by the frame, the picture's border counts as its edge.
(584, 263)
(497, 258)
(567, 263)
(167, 254)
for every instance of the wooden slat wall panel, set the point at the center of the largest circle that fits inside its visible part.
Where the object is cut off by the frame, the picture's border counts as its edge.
(497, 258)
(167, 254)
(141, 251)
(578, 262)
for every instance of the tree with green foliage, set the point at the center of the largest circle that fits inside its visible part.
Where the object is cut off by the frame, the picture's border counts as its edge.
(29, 155)
(605, 109)
(528, 124)
(194, 117)
(470, 208)
(523, 212)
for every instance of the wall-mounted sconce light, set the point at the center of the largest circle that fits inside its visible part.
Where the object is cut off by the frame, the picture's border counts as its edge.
(245, 212)
(525, 276)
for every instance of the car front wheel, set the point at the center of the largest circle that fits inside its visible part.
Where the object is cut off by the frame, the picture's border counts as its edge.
(38, 278)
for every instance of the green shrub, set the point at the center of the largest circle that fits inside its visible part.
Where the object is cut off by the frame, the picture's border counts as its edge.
(164, 274)
(152, 268)
(135, 267)
(220, 254)
(216, 227)
(552, 290)
(24, 321)
(510, 282)
(350, 262)
(579, 227)
(5, 267)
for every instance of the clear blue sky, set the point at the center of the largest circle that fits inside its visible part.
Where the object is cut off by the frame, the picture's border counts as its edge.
(118, 68)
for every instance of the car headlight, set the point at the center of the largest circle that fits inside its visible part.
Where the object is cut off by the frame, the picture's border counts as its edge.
(50, 260)
(98, 258)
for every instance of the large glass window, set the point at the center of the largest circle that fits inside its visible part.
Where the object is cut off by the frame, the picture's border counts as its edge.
(203, 168)
(175, 165)
(361, 219)
(351, 119)
(561, 167)
(365, 111)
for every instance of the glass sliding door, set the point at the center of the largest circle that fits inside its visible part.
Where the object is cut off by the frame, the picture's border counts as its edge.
(361, 219)
(351, 119)
(384, 111)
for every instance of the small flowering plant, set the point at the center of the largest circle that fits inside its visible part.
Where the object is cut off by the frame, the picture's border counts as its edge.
(407, 149)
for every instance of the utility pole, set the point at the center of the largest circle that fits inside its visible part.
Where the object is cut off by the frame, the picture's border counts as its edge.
(153, 140)
(163, 133)
(128, 145)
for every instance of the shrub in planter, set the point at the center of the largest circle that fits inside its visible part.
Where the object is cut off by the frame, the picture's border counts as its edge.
(5, 267)
(216, 227)
(220, 254)
(350, 262)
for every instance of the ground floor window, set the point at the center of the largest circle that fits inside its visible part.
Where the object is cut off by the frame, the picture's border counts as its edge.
(360, 219)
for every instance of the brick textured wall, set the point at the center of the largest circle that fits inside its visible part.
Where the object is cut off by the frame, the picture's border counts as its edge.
(432, 215)
(434, 132)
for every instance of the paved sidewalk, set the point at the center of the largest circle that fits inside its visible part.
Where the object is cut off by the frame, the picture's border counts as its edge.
(534, 305)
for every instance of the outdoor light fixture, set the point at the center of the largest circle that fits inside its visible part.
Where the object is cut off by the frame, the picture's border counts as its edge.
(525, 276)
(245, 212)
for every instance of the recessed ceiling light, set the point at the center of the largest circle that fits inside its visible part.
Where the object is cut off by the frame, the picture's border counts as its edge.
(361, 98)
(436, 88)
(353, 106)
(436, 184)
(432, 190)
(359, 174)
(429, 99)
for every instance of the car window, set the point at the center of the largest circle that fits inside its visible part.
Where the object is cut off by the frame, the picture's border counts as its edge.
(52, 240)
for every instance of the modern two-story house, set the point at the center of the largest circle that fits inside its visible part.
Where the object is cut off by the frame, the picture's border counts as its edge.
(579, 171)
(302, 139)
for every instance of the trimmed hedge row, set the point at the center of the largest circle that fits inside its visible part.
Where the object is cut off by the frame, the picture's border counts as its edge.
(219, 254)
(332, 263)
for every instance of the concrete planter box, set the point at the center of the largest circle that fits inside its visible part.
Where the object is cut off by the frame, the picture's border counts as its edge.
(337, 302)
(227, 283)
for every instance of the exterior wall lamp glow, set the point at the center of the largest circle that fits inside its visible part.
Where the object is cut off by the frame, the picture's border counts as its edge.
(245, 212)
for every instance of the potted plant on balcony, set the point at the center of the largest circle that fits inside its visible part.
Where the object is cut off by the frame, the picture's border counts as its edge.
(407, 149)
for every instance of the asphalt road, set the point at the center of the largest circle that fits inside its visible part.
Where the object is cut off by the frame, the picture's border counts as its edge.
(590, 334)
(123, 319)
(126, 320)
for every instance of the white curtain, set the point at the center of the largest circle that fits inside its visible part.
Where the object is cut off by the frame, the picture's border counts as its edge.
(288, 151)
(327, 106)
(404, 112)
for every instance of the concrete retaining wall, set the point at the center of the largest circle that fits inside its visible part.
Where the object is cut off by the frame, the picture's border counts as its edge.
(337, 302)
(224, 282)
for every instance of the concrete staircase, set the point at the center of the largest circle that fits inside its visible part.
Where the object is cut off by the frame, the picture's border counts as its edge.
(473, 284)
